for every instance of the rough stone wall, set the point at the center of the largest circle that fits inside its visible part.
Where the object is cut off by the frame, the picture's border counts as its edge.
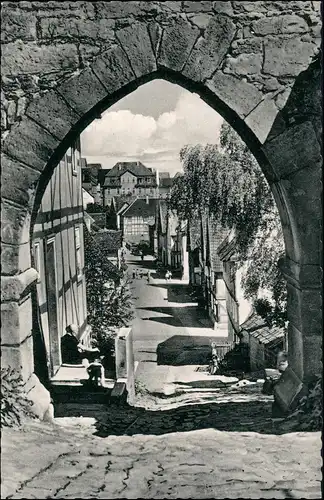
(264, 44)
(65, 62)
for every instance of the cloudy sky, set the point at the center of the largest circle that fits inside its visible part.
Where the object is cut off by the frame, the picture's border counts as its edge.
(151, 125)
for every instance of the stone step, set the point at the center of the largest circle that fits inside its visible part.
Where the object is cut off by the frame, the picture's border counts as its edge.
(63, 393)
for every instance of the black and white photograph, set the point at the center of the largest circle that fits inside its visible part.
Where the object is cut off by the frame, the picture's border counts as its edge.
(161, 249)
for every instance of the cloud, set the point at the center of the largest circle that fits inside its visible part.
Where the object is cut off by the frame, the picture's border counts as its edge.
(166, 120)
(121, 135)
(118, 132)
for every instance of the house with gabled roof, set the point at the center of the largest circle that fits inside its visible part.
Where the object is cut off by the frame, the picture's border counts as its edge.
(90, 178)
(130, 178)
(138, 221)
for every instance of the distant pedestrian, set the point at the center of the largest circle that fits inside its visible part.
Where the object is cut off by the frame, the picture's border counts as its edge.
(148, 276)
(213, 366)
(134, 275)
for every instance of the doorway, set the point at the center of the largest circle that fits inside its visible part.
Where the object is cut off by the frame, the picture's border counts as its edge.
(52, 306)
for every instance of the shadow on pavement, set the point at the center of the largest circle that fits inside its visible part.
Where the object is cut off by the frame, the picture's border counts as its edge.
(166, 320)
(189, 316)
(184, 350)
(118, 420)
(176, 292)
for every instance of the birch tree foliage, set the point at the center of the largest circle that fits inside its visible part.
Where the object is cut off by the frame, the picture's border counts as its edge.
(226, 181)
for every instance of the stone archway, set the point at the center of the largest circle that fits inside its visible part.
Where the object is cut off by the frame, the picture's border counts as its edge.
(255, 63)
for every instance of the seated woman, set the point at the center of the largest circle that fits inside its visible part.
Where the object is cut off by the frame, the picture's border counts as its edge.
(73, 352)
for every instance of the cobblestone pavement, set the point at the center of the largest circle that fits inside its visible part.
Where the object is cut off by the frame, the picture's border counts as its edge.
(67, 463)
(211, 442)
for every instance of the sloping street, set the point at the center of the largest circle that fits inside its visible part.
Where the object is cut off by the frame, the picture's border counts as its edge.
(66, 462)
(168, 331)
(216, 440)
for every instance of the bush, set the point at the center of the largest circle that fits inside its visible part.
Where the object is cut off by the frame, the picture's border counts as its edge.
(15, 406)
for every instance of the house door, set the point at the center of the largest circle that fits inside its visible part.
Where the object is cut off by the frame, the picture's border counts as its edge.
(52, 298)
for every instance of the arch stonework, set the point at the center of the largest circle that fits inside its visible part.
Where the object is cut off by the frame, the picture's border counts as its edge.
(256, 63)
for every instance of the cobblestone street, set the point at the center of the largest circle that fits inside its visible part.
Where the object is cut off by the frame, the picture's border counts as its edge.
(208, 437)
(66, 462)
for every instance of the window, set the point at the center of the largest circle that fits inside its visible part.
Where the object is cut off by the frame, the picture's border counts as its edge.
(78, 259)
(151, 190)
(37, 260)
(74, 162)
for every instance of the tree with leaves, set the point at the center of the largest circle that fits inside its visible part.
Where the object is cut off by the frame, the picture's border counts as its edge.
(108, 297)
(225, 181)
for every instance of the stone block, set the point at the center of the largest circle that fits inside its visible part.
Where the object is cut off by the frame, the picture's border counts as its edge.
(15, 258)
(16, 24)
(244, 64)
(287, 57)
(16, 322)
(262, 118)
(197, 6)
(113, 69)
(39, 396)
(287, 390)
(279, 126)
(52, 113)
(223, 8)
(237, 94)
(303, 276)
(243, 7)
(210, 50)
(296, 148)
(302, 192)
(295, 349)
(304, 308)
(136, 43)
(313, 357)
(155, 32)
(177, 43)
(82, 91)
(25, 58)
(77, 28)
(13, 220)
(201, 20)
(12, 287)
(21, 358)
(30, 143)
(115, 10)
(18, 181)
(280, 25)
